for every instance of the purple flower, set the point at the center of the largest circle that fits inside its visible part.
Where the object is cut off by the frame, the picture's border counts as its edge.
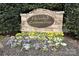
(37, 46)
(26, 41)
(9, 42)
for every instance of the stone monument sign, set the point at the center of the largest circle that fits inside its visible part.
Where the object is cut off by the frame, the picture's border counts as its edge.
(42, 20)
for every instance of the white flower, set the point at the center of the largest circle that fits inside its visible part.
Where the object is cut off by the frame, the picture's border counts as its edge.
(57, 39)
(31, 36)
(37, 46)
(13, 44)
(60, 39)
(52, 49)
(19, 41)
(12, 37)
(19, 37)
(27, 37)
(49, 41)
(57, 44)
(63, 44)
(26, 46)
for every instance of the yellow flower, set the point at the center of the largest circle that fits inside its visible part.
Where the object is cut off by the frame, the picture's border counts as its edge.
(62, 33)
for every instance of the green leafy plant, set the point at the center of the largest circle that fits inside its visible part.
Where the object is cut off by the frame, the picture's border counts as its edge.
(1, 37)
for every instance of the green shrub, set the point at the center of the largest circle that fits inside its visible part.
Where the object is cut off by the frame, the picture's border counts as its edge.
(71, 19)
(10, 14)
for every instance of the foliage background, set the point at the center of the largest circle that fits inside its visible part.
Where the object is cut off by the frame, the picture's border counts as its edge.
(10, 16)
(71, 19)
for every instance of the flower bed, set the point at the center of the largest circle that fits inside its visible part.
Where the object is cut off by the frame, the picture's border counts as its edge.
(37, 40)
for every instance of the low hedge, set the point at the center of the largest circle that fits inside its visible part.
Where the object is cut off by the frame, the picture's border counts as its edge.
(71, 19)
